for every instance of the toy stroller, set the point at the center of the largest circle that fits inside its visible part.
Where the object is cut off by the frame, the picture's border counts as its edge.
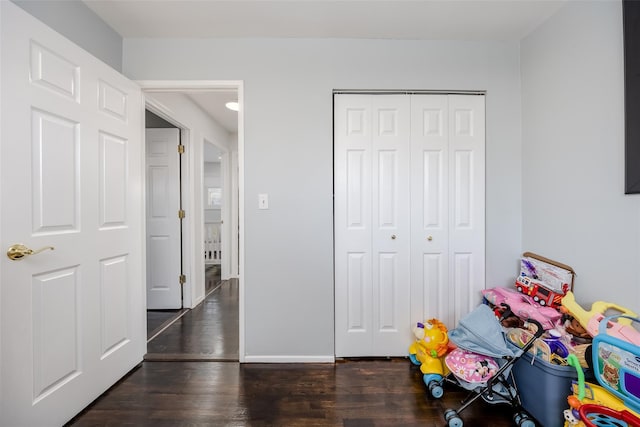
(482, 364)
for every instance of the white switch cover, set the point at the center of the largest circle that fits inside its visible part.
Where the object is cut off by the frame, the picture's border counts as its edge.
(263, 201)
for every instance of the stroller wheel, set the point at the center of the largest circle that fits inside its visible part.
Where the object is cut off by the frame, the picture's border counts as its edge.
(452, 418)
(523, 420)
(435, 389)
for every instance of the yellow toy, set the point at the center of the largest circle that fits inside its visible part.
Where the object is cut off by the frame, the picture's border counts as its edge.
(590, 320)
(428, 351)
(585, 393)
(595, 395)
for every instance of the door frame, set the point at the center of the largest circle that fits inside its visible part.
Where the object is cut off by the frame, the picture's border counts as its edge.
(193, 185)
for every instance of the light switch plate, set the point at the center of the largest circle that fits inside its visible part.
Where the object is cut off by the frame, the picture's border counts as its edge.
(263, 201)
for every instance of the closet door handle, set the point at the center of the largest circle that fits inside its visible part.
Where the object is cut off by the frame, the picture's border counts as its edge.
(393, 237)
(429, 238)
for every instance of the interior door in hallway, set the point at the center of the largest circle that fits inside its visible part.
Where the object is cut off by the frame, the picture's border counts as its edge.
(71, 163)
(163, 224)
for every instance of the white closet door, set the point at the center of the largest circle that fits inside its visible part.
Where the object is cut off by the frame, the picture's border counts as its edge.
(431, 296)
(409, 216)
(391, 235)
(447, 205)
(352, 219)
(466, 206)
(371, 225)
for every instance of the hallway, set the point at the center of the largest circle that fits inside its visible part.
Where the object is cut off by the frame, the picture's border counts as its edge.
(209, 332)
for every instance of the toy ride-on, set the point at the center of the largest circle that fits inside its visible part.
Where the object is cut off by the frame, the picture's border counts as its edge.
(428, 351)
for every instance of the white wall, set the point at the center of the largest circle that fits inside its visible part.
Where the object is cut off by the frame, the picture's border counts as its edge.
(186, 114)
(74, 20)
(574, 207)
(288, 154)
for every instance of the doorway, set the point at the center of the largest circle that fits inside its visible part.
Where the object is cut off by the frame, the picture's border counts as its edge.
(203, 198)
(163, 169)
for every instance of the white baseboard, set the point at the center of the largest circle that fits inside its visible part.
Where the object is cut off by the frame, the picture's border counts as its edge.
(289, 359)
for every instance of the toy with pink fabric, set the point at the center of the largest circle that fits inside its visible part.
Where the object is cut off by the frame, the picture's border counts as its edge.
(523, 306)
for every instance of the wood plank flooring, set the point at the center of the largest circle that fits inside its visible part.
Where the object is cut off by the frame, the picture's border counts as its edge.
(181, 385)
(350, 394)
(157, 319)
(209, 332)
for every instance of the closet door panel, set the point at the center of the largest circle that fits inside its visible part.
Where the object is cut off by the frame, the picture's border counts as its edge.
(467, 212)
(391, 234)
(353, 224)
(430, 293)
(356, 284)
(463, 191)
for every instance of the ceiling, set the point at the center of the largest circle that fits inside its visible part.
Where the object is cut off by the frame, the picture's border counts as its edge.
(377, 19)
(213, 103)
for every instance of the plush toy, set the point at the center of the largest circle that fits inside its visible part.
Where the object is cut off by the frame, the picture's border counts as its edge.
(428, 351)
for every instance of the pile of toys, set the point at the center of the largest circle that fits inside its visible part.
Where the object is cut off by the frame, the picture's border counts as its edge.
(576, 343)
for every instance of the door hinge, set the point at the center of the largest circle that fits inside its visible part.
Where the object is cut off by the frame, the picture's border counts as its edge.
(181, 214)
(180, 148)
(182, 279)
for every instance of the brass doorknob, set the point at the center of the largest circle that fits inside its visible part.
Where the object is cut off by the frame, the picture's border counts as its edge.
(18, 251)
(393, 237)
(429, 238)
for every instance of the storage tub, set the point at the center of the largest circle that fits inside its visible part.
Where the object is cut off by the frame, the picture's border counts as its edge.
(544, 388)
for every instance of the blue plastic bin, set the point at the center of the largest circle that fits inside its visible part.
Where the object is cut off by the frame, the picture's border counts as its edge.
(544, 388)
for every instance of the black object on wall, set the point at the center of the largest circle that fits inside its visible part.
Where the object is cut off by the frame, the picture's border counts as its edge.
(631, 32)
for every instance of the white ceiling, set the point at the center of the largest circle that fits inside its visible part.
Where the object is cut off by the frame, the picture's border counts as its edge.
(213, 103)
(377, 19)
(373, 19)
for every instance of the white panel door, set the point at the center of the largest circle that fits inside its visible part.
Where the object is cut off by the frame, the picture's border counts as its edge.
(353, 224)
(447, 205)
(372, 225)
(430, 291)
(163, 224)
(390, 223)
(72, 319)
(467, 203)
(409, 216)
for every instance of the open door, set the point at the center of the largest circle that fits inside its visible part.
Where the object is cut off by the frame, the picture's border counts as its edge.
(71, 163)
(164, 258)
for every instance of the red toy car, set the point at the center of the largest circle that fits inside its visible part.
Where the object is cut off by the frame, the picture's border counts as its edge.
(540, 293)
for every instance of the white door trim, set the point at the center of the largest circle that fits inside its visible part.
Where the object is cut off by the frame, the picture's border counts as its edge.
(191, 265)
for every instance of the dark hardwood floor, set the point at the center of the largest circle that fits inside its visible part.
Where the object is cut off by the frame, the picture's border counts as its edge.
(351, 394)
(209, 332)
(158, 319)
(181, 384)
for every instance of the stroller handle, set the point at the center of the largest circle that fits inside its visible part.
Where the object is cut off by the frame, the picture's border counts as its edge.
(539, 328)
